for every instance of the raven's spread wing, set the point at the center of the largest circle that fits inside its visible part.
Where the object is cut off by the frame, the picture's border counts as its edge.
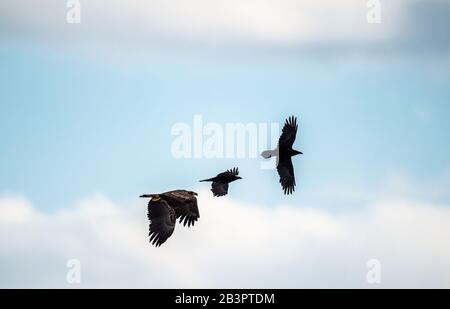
(219, 188)
(185, 205)
(287, 138)
(162, 221)
(234, 171)
(286, 172)
(229, 173)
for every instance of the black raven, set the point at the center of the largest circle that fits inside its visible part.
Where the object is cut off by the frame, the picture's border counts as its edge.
(165, 208)
(221, 181)
(284, 153)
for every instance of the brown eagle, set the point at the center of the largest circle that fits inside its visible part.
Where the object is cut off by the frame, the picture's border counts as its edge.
(165, 208)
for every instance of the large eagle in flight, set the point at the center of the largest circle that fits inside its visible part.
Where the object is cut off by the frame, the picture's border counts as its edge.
(164, 209)
(284, 154)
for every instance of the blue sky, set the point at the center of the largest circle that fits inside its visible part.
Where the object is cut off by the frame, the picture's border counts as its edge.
(86, 112)
(72, 126)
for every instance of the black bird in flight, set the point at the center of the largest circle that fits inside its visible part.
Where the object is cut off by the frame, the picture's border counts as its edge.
(164, 209)
(284, 153)
(221, 181)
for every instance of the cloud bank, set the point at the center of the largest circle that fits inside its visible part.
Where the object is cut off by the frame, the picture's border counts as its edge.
(234, 245)
(232, 21)
(292, 26)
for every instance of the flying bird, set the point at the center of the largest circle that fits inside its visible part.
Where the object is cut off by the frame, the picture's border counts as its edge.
(284, 154)
(164, 209)
(220, 183)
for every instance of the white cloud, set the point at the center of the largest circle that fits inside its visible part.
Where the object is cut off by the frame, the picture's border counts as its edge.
(233, 245)
(15, 210)
(137, 32)
(229, 22)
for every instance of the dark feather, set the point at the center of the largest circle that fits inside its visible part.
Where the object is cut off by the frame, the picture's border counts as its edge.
(286, 173)
(288, 134)
(220, 183)
(219, 188)
(284, 161)
(185, 205)
(162, 221)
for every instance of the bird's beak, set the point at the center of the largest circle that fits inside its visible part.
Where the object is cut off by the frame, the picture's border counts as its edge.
(239, 177)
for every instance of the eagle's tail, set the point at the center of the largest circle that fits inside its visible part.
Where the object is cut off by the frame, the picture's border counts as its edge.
(148, 195)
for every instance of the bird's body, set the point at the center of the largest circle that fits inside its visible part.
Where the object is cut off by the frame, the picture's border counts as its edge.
(284, 154)
(220, 183)
(165, 208)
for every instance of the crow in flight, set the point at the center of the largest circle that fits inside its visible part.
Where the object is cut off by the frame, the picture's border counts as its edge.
(165, 208)
(221, 181)
(284, 153)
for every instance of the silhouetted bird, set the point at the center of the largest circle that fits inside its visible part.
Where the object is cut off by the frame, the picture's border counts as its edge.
(165, 208)
(221, 181)
(284, 153)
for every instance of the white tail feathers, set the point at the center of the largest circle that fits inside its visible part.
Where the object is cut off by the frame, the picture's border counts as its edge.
(269, 153)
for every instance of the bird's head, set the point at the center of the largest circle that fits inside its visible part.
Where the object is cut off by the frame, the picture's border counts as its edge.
(296, 152)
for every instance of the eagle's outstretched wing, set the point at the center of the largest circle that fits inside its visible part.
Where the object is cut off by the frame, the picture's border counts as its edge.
(185, 205)
(288, 134)
(286, 172)
(162, 221)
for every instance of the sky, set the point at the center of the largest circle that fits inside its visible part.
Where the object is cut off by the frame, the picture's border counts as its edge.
(86, 113)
